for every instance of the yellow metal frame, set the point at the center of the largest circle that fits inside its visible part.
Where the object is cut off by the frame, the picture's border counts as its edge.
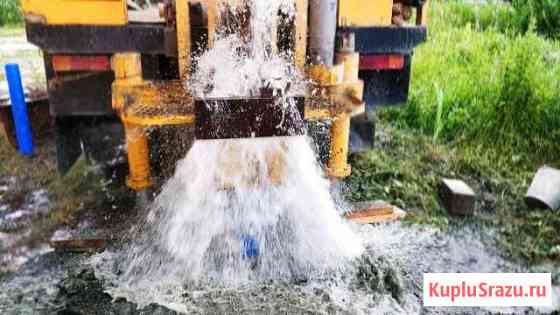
(340, 88)
(128, 76)
(153, 103)
(363, 13)
(300, 33)
(338, 166)
(80, 12)
(183, 38)
(139, 177)
(348, 94)
(141, 104)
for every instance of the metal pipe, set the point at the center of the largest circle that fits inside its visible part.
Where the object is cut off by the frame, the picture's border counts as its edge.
(322, 31)
(128, 74)
(338, 166)
(183, 38)
(139, 177)
(19, 110)
(340, 130)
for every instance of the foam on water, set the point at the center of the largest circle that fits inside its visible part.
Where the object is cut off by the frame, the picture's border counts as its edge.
(408, 251)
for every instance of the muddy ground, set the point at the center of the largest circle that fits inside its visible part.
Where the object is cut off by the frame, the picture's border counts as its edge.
(38, 205)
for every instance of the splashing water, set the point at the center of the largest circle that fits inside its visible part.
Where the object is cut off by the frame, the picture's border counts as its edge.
(405, 252)
(238, 66)
(239, 213)
(244, 209)
(226, 194)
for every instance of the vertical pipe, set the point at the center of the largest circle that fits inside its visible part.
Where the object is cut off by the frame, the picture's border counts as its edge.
(340, 130)
(340, 134)
(422, 13)
(139, 177)
(19, 110)
(128, 74)
(301, 29)
(251, 248)
(346, 55)
(183, 38)
(127, 68)
(212, 18)
(322, 33)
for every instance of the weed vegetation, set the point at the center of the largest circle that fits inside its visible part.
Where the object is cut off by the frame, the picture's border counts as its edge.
(10, 13)
(492, 89)
(484, 107)
(519, 17)
(406, 168)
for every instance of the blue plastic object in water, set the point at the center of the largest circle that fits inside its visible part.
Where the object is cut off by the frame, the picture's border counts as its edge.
(250, 246)
(19, 110)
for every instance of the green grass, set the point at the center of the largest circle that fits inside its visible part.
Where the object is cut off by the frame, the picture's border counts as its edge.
(479, 17)
(544, 13)
(406, 169)
(10, 13)
(519, 17)
(484, 107)
(496, 90)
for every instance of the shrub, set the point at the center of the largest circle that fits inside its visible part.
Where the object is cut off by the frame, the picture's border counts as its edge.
(518, 17)
(545, 14)
(482, 17)
(10, 13)
(500, 91)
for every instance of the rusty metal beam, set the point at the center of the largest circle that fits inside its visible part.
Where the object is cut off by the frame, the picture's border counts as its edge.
(247, 118)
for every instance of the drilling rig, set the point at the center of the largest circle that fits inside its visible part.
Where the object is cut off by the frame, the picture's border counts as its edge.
(116, 70)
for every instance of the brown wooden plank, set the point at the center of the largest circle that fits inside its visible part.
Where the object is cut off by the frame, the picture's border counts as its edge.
(366, 209)
(374, 212)
(397, 214)
(79, 245)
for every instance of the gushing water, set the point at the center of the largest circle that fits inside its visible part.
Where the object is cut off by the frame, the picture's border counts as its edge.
(240, 213)
(244, 209)
(243, 61)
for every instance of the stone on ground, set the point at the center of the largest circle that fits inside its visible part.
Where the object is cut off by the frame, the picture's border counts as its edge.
(544, 192)
(457, 197)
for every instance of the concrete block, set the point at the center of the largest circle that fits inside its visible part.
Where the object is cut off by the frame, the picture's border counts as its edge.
(457, 197)
(544, 191)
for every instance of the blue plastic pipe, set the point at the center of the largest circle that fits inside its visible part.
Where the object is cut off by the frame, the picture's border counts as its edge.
(250, 246)
(19, 110)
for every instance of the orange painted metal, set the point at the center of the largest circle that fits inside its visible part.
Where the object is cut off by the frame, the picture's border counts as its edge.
(382, 62)
(67, 63)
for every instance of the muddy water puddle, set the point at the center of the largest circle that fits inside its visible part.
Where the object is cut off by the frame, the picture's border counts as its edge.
(17, 210)
(387, 279)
